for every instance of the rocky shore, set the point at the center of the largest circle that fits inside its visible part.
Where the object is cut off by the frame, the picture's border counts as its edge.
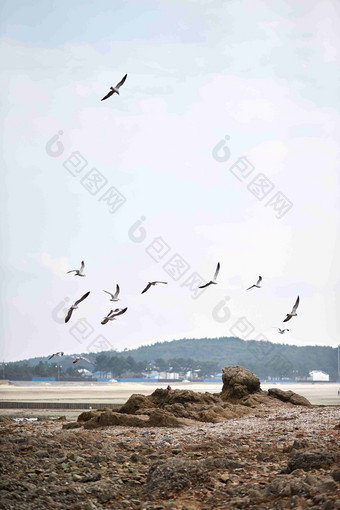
(242, 448)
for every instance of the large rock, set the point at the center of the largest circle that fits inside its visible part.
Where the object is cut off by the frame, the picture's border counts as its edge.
(107, 418)
(288, 396)
(238, 383)
(161, 418)
(240, 394)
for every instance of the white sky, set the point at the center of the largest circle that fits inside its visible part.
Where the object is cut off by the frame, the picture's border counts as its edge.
(264, 73)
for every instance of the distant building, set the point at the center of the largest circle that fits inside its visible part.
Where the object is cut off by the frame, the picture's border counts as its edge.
(318, 375)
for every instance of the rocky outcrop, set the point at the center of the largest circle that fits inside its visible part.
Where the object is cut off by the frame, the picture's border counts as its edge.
(241, 393)
(288, 396)
(238, 383)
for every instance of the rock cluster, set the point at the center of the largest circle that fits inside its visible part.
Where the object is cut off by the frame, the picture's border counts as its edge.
(241, 393)
(286, 457)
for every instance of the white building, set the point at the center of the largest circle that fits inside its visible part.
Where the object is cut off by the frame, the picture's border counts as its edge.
(318, 375)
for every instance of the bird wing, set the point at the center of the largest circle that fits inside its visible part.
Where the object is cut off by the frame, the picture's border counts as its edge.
(251, 287)
(108, 95)
(217, 271)
(109, 293)
(85, 359)
(121, 82)
(287, 318)
(120, 312)
(105, 321)
(110, 313)
(68, 316)
(161, 282)
(259, 280)
(75, 360)
(73, 271)
(146, 288)
(82, 298)
(51, 357)
(203, 286)
(82, 265)
(296, 304)
(117, 292)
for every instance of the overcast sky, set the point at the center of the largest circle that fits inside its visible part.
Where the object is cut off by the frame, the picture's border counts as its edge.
(260, 76)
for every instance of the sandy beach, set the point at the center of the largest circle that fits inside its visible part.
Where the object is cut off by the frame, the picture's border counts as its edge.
(119, 392)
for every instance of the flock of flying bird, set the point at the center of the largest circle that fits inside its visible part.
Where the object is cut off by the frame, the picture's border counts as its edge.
(111, 316)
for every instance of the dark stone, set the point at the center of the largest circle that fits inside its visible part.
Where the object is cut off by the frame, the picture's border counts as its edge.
(310, 459)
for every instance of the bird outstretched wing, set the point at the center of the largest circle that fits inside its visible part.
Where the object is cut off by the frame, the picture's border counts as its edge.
(146, 288)
(117, 292)
(217, 271)
(108, 95)
(82, 298)
(296, 304)
(121, 82)
(119, 313)
(68, 316)
(204, 286)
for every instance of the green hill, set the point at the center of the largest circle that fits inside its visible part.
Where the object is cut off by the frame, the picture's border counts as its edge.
(265, 359)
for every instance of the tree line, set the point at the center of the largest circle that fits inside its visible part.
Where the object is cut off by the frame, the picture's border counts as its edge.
(204, 356)
(107, 365)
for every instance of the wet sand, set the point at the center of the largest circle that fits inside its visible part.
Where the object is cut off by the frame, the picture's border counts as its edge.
(119, 392)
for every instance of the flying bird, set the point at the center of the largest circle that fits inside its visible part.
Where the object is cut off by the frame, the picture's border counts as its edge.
(149, 285)
(213, 281)
(56, 354)
(114, 297)
(79, 272)
(78, 358)
(293, 312)
(115, 89)
(111, 316)
(75, 306)
(281, 331)
(257, 284)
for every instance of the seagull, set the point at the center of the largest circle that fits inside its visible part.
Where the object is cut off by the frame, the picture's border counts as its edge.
(149, 285)
(115, 89)
(79, 272)
(293, 312)
(212, 282)
(114, 297)
(281, 331)
(74, 307)
(111, 316)
(257, 284)
(78, 358)
(56, 354)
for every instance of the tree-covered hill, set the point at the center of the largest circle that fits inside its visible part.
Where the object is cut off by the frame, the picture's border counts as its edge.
(265, 359)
